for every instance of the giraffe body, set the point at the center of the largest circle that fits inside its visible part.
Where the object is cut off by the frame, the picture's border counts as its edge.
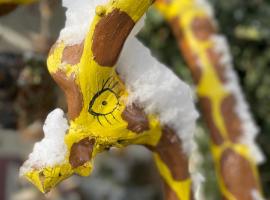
(116, 107)
(232, 128)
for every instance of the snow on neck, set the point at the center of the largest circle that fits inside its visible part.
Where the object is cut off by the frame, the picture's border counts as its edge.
(158, 90)
(79, 15)
(249, 128)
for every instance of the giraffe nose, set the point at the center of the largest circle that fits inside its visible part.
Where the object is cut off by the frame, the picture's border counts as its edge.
(36, 179)
(48, 177)
(43, 183)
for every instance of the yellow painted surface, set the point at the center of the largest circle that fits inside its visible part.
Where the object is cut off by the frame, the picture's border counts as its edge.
(104, 100)
(175, 8)
(45, 179)
(181, 188)
(210, 85)
(134, 10)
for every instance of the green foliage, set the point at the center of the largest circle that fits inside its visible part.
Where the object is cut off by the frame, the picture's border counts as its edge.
(246, 26)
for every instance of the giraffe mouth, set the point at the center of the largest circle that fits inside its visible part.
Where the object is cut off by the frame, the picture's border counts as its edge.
(48, 177)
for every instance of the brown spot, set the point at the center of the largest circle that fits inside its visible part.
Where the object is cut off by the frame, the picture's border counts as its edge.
(203, 28)
(223, 198)
(215, 59)
(238, 175)
(169, 194)
(206, 106)
(136, 118)
(109, 37)
(231, 118)
(170, 151)
(7, 8)
(81, 152)
(193, 62)
(192, 195)
(72, 91)
(190, 57)
(72, 54)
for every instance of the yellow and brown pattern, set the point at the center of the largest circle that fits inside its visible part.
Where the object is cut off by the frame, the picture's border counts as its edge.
(99, 115)
(194, 29)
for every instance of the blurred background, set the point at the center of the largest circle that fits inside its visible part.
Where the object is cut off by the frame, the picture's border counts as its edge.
(27, 94)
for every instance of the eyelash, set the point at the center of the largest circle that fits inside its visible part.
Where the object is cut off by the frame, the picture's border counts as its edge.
(108, 85)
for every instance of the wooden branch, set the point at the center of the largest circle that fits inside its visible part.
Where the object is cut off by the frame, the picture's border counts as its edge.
(197, 37)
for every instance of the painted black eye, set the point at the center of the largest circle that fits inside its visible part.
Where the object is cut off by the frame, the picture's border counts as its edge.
(103, 103)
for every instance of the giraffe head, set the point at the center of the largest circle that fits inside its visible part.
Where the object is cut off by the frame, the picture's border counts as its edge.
(98, 115)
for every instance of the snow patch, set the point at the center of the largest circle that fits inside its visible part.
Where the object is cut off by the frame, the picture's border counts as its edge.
(51, 150)
(205, 5)
(158, 89)
(250, 130)
(161, 92)
(256, 195)
(79, 15)
(196, 177)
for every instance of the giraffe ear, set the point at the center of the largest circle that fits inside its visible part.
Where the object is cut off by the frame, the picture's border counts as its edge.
(72, 54)
(72, 91)
(81, 152)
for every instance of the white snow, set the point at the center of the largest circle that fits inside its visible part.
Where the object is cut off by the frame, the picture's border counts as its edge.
(79, 15)
(249, 127)
(158, 89)
(256, 195)
(196, 165)
(51, 150)
(161, 92)
(204, 4)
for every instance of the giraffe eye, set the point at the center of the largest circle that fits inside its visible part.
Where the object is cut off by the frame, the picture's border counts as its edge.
(103, 103)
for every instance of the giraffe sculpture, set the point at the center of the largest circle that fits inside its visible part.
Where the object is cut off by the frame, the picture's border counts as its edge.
(224, 108)
(134, 103)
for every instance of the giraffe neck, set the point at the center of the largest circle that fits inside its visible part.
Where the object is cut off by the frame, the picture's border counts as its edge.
(219, 95)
